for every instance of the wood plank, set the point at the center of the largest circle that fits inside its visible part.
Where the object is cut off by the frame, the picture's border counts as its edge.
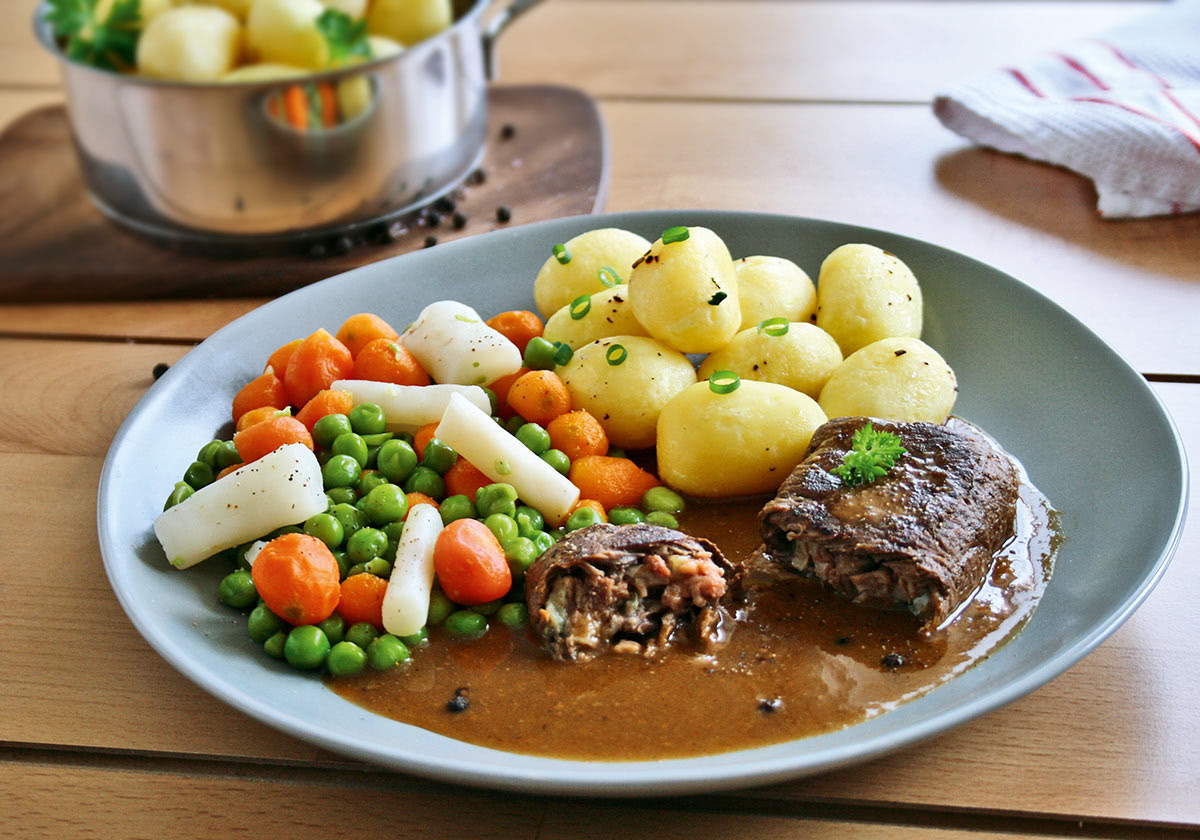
(175, 320)
(1121, 722)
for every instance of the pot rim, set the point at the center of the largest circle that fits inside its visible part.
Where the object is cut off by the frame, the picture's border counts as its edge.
(44, 34)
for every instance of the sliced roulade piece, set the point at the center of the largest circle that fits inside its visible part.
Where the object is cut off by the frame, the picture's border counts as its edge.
(627, 587)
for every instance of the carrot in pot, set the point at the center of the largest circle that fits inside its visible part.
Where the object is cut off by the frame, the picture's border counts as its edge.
(264, 390)
(519, 326)
(578, 434)
(329, 106)
(387, 360)
(297, 577)
(614, 482)
(267, 436)
(318, 362)
(325, 402)
(357, 331)
(539, 396)
(295, 107)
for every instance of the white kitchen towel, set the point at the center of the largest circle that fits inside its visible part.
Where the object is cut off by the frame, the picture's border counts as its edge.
(1122, 109)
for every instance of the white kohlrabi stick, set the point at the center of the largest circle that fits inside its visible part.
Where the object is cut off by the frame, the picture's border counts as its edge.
(406, 601)
(281, 488)
(453, 344)
(501, 457)
(409, 407)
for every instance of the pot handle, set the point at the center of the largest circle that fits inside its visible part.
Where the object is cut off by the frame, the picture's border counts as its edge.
(496, 26)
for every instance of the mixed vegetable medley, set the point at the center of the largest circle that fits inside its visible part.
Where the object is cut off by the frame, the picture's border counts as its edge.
(381, 482)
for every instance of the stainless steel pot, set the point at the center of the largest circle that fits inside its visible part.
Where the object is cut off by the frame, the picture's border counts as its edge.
(209, 162)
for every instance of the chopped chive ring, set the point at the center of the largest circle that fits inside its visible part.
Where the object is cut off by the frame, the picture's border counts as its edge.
(562, 353)
(774, 327)
(502, 466)
(561, 254)
(716, 299)
(609, 276)
(465, 318)
(615, 355)
(675, 234)
(581, 306)
(724, 382)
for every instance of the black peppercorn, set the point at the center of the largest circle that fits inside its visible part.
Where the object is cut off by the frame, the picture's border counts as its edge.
(477, 177)
(430, 241)
(503, 213)
(445, 204)
(460, 701)
(460, 220)
(767, 705)
(508, 131)
(160, 369)
(894, 660)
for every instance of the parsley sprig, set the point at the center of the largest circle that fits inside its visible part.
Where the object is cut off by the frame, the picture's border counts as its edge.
(110, 44)
(346, 37)
(872, 454)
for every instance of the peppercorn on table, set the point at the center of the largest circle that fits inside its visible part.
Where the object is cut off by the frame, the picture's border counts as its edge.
(816, 109)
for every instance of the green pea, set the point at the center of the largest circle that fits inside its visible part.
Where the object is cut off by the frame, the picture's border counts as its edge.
(368, 419)
(385, 503)
(263, 624)
(513, 616)
(334, 628)
(323, 456)
(351, 518)
(614, 452)
(529, 521)
(341, 495)
(456, 507)
(208, 452)
(341, 471)
(520, 554)
(502, 526)
(181, 491)
(378, 567)
(542, 541)
(535, 438)
(346, 659)
(539, 354)
(466, 624)
(362, 634)
(343, 563)
(496, 498)
(352, 445)
(557, 459)
(306, 647)
(493, 400)
(427, 481)
(557, 534)
(416, 639)
(369, 480)
(326, 528)
(386, 652)
(239, 556)
(582, 518)
(366, 544)
(396, 459)
(439, 456)
(227, 455)
(439, 608)
(394, 531)
(198, 475)
(237, 590)
(662, 518)
(626, 516)
(513, 423)
(275, 645)
(377, 440)
(489, 608)
(286, 529)
(328, 428)
(662, 499)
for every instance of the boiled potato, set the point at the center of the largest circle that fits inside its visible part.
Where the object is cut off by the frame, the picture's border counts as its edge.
(355, 9)
(803, 358)
(686, 294)
(262, 73)
(240, 8)
(608, 313)
(558, 284)
(626, 397)
(864, 294)
(409, 21)
(190, 44)
(285, 32)
(900, 379)
(354, 95)
(150, 9)
(772, 287)
(382, 47)
(735, 444)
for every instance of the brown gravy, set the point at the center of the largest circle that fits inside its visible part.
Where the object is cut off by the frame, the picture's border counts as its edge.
(800, 662)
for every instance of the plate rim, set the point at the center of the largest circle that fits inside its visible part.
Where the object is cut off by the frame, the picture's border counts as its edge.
(671, 776)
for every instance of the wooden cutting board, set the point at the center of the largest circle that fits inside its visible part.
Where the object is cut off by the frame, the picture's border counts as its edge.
(545, 158)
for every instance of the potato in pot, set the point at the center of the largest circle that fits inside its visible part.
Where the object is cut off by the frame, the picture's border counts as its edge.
(685, 292)
(577, 271)
(624, 381)
(285, 32)
(798, 355)
(734, 444)
(901, 379)
(606, 313)
(772, 287)
(409, 21)
(865, 294)
(190, 44)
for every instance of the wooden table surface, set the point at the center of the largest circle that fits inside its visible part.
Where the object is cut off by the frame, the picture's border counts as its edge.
(809, 108)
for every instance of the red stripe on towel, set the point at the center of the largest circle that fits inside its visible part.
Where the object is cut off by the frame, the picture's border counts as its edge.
(1162, 83)
(1020, 77)
(1083, 71)
(1144, 114)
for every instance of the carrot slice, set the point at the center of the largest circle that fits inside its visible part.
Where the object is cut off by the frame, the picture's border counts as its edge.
(387, 360)
(357, 331)
(578, 434)
(539, 396)
(267, 436)
(464, 479)
(611, 481)
(325, 402)
(264, 390)
(519, 326)
(362, 599)
(315, 365)
(297, 577)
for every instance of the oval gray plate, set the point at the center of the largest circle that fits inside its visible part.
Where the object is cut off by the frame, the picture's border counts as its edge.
(1091, 432)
